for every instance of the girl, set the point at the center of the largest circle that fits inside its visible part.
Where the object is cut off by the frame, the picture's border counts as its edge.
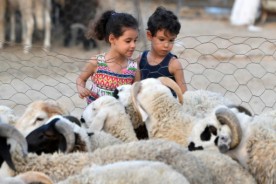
(114, 68)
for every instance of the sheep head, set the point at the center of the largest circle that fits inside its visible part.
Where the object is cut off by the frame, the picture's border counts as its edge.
(36, 114)
(56, 134)
(123, 94)
(97, 112)
(107, 114)
(227, 117)
(148, 86)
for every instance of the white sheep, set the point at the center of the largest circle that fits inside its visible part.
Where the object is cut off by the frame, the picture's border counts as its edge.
(123, 94)
(200, 103)
(131, 172)
(37, 113)
(164, 116)
(27, 178)
(108, 114)
(225, 169)
(256, 150)
(216, 164)
(59, 166)
(7, 115)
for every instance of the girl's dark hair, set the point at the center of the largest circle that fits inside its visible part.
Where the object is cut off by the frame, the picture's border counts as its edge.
(111, 22)
(163, 19)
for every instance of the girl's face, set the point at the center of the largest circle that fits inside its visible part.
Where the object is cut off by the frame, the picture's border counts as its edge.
(162, 42)
(125, 44)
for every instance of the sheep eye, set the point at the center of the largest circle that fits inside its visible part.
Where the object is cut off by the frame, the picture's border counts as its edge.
(39, 119)
(82, 120)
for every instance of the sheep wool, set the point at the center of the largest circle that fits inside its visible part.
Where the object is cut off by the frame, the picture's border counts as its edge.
(131, 172)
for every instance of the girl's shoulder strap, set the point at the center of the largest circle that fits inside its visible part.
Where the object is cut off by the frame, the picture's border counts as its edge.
(132, 63)
(101, 59)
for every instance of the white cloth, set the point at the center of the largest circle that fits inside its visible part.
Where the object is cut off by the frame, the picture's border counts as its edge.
(244, 12)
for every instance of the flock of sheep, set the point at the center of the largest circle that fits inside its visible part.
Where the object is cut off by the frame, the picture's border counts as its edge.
(198, 137)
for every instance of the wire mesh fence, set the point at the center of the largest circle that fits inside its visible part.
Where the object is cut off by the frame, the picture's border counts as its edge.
(243, 69)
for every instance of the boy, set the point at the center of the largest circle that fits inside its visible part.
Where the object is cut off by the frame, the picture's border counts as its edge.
(163, 28)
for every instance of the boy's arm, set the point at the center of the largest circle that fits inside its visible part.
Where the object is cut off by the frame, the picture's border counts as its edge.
(138, 72)
(175, 68)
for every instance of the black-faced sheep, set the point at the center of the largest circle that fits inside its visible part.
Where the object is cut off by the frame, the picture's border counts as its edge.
(60, 134)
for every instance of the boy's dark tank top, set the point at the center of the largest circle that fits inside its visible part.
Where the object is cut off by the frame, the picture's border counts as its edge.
(160, 70)
(149, 71)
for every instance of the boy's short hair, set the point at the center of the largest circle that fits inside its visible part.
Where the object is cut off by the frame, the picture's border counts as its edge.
(163, 19)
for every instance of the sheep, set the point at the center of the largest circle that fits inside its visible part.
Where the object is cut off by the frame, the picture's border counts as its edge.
(164, 116)
(42, 11)
(207, 133)
(200, 103)
(222, 133)
(59, 166)
(37, 113)
(27, 178)
(7, 115)
(108, 114)
(216, 164)
(225, 169)
(60, 134)
(123, 94)
(256, 150)
(131, 172)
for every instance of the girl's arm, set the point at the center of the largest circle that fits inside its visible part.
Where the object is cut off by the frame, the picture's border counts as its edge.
(89, 69)
(175, 68)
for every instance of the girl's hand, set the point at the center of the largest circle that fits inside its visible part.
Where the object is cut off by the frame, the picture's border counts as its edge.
(83, 92)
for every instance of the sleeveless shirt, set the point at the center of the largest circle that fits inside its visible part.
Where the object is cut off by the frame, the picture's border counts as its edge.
(155, 71)
(105, 81)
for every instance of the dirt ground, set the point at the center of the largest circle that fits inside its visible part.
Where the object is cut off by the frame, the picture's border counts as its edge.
(215, 55)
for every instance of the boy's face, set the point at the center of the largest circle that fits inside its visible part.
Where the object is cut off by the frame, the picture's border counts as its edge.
(162, 42)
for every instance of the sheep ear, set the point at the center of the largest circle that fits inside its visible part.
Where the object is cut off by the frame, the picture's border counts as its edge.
(143, 113)
(99, 120)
